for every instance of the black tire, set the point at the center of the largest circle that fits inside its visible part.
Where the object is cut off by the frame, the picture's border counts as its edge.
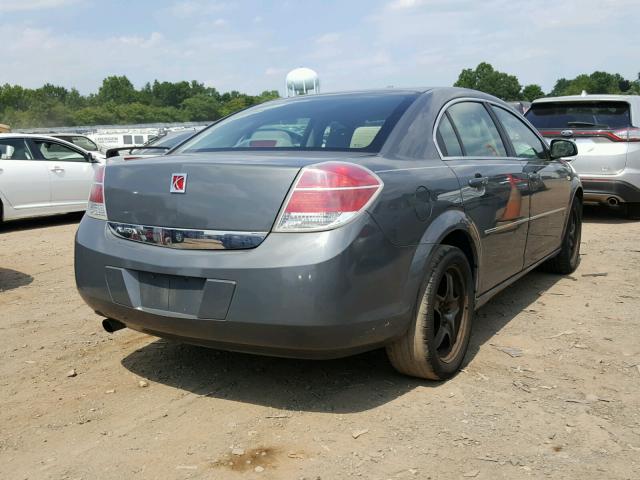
(426, 350)
(633, 211)
(568, 259)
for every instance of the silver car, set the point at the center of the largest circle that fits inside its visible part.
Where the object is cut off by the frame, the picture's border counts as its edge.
(606, 129)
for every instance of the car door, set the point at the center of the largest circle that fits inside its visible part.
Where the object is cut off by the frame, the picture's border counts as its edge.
(493, 187)
(70, 171)
(24, 180)
(549, 187)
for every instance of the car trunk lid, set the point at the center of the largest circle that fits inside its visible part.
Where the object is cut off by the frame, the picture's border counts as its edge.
(223, 191)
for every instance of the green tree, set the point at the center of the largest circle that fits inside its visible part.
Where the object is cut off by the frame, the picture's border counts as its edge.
(119, 102)
(201, 107)
(595, 83)
(532, 92)
(118, 90)
(486, 79)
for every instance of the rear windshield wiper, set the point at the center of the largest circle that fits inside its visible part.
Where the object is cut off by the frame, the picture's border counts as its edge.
(587, 124)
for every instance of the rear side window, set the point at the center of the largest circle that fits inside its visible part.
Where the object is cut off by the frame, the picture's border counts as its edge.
(447, 139)
(478, 133)
(580, 115)
(14, 149)
(360, 122)
(525, 143)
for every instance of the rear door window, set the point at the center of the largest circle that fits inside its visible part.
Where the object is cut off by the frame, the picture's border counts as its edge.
(580, 115)
(14, 149)
(525, 143)
(447, 139)
(478, 133)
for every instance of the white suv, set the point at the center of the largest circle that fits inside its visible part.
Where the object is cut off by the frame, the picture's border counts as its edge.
(606, 129)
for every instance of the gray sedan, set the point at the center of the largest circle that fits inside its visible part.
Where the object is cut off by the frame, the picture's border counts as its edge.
(326, 225)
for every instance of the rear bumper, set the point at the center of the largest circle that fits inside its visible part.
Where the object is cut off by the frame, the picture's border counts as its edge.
(600, 190)
(310, 295)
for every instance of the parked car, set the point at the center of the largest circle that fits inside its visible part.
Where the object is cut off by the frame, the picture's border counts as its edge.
(156, 146)
(83, 142)
(41, 175)
(326, 225)
(606, 129)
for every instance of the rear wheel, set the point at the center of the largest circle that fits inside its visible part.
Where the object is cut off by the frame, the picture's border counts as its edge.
(633, 211)
(436, 343)
(568, 259)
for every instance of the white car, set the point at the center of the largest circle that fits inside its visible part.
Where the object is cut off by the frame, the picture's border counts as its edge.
(42, 175)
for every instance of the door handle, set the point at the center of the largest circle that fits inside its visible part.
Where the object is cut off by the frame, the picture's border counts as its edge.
(478, 182)
(57, 169)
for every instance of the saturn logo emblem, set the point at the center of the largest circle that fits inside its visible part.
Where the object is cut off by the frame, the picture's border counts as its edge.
(178, 183)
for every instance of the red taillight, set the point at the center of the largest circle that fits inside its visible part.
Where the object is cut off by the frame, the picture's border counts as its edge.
(622, 135)
(95, 206)
(328, 195)
(97, 193)
(627, 135)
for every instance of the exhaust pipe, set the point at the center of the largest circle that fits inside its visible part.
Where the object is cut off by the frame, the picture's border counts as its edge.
(110, 325)
(613, 201)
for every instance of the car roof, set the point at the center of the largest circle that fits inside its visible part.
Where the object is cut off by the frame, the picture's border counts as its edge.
(43, 137)
(442, 93)
(589, 98)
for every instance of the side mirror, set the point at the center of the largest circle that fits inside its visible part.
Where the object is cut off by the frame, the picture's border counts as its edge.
(563, 148)
(91, 159)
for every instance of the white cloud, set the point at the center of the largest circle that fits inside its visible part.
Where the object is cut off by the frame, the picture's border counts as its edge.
(272, 71)
(195, 8)
(25, 5)
(404, 4)
(331, 37)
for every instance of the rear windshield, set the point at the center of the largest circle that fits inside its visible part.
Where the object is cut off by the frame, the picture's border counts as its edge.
(582, 115)
(358, 122)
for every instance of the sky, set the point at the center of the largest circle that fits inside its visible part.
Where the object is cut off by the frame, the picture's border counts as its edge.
(250, 45)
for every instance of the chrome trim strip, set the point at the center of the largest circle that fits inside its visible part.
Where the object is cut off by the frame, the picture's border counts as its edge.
(550, 212)
(522, 220)
(507, 226)
(186, 239)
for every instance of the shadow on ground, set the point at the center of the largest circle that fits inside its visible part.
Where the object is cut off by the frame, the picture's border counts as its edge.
(352, 384)
(12, 279)
(40, 222)
(604, 215)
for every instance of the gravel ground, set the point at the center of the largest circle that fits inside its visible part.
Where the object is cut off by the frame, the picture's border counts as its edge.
(560, 401)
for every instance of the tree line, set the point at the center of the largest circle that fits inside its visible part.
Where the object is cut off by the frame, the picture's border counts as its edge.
(507, 87)
(119, 102)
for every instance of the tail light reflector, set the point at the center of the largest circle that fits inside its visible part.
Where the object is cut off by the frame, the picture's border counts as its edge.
(328, 195)
(627, 135)
(96, 207)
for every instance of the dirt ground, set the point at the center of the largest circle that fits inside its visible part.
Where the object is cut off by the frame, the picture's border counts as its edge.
(78, 403)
